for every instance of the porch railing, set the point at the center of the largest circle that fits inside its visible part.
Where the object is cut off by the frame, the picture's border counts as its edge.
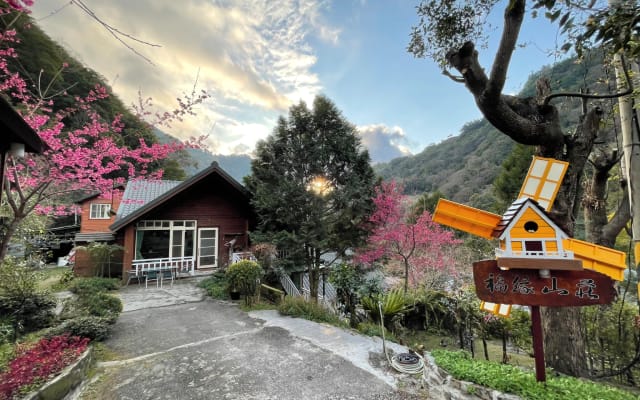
(179, 264)
(289, 287)
(536, 254)
(245, 255)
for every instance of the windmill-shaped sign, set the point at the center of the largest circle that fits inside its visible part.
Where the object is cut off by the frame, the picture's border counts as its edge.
(537, 263)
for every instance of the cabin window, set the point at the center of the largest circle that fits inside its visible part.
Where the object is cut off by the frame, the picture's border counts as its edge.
(100, 211)
(530, 227)
(162, 239)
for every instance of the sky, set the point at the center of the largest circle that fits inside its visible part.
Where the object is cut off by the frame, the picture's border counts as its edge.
(256, 58)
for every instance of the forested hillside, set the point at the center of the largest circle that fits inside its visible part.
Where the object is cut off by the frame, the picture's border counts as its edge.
(55, 76)
(463, 167)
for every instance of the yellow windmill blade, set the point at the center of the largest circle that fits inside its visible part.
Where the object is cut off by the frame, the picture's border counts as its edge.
(601, 259)
(502, 310)
(543, 180)
(465, 218)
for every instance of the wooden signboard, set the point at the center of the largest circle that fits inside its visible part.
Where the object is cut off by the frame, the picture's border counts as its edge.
(526, 287)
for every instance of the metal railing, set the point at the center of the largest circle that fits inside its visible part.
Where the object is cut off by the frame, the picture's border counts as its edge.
(245, 255)
(289, 287)
(178, 264)
(326, 291)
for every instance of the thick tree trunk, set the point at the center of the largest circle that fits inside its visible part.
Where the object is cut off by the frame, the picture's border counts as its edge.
(530, 121)
(598, 228)
(8, 232)
(535, 121)
(564, 344)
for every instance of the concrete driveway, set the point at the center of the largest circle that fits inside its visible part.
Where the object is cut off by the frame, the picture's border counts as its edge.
(181, 345)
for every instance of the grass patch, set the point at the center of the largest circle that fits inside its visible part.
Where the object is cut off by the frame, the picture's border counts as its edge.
(103, 353)
(298, 307)
(509, 379)
(50, 279)
(435, 341)
(216, 286)
(258, 306)
(374, 329)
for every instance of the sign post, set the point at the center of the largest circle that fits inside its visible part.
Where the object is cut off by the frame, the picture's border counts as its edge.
(526, 287)
(538, 346)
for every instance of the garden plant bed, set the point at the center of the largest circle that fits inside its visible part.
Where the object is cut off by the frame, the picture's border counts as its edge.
(58, 387)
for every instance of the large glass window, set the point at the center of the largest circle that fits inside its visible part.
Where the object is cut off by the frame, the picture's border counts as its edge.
(99, 211)
(162, 239)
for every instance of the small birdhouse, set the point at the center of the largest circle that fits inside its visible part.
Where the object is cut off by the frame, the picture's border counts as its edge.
(528, 237)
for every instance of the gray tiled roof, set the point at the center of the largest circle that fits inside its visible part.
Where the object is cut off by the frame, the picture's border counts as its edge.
(142, 196)
(140, 192)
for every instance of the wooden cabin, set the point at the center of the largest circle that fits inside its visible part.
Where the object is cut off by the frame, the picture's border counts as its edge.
(192, 226)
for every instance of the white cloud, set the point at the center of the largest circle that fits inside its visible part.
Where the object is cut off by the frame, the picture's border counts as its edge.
(383, 142)
(253, 56)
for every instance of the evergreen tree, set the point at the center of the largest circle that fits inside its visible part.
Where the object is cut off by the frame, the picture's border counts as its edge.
(513, 170)
(312, 187)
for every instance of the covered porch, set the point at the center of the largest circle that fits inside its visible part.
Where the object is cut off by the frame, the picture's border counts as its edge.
(171, 248)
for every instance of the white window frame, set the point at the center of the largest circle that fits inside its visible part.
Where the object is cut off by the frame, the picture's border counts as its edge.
(177, 227)
(100, 211)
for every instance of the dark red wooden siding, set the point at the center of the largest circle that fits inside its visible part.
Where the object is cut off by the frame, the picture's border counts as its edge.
(213, 203)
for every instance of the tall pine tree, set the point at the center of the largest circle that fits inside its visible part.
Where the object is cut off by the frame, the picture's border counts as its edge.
(312, 187)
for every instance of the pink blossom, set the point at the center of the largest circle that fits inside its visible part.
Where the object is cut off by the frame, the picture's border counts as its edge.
(419, 246)
(83, 159)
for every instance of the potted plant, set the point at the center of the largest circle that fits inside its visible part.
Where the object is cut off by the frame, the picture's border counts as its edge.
(243, 278)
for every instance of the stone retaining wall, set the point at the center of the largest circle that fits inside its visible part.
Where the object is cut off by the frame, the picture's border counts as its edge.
(442, 386)
(69, 378)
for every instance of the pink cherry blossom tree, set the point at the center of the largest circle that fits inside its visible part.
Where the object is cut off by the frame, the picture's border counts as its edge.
(90, 158)
(421, 246)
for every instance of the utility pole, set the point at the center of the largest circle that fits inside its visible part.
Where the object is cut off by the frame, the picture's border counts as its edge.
(630, 126)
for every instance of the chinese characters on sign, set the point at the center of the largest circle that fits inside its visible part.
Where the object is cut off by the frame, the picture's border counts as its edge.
(522, 285)
(526, 287)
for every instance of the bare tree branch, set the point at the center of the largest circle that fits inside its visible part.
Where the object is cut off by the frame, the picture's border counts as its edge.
(455, 78)
(513, 17)
(115, 32)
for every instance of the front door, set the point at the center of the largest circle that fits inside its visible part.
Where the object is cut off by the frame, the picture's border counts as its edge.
(207, 247)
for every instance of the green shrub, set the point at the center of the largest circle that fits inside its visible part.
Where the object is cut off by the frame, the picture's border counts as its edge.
(216, 286)
(394, 304)
(103, 305)
(66, 277)
(510, 379)
(92, 327)
(244, 277)
(7, 353)
(300, 308)
(94, 285)
(22, 304)
(430, 306)
(611, 332)
(99, 304)
(6, 330)
(29, 313)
